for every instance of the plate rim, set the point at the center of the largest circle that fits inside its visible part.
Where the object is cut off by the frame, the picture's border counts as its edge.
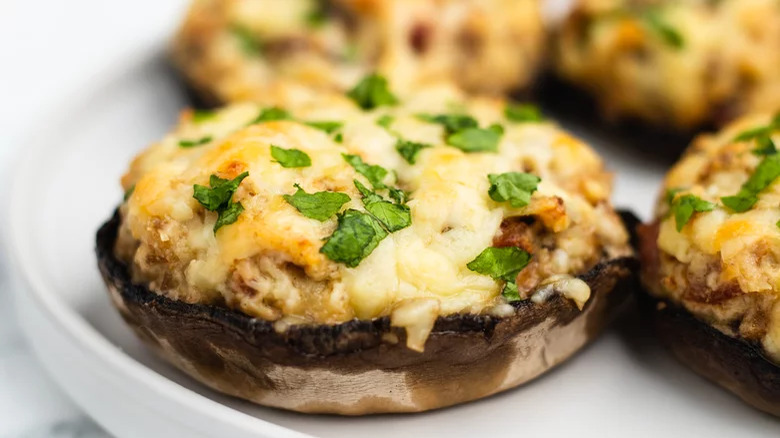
(17, 238)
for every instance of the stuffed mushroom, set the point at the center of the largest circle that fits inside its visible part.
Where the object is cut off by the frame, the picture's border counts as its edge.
(230, 50)
(711, 260)
(360, 253)
(675, 64)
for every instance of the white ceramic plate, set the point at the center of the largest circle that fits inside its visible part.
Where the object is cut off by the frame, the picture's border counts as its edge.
(66, 184)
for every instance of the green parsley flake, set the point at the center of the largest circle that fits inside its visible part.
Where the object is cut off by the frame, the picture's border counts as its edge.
(765, 146)
(200, 116)
(228, 215)
(290, 157)
(668, 34)
(755, 133)
(452, 122)
(393, 217)
(385, 121)
(193, 143)
(328, 126)
(320, 206)
(271, 114)
(317, 16)
(510, 292)
(513, 187)
(523, 113)
(374, 173)
(671, 194)
(217, 198)
(410, 149)
(463, 132)
(477, 139)
(339, 138)
(372, 92)
(500, 263)
(763, 137)
(684, 206)
(128, 193)
(355, 238)
(250, 45)
(764, 175)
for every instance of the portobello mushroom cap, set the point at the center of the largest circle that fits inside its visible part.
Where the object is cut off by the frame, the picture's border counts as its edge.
(710, 265)
(346, 258)
(364, 367)
(232, 50)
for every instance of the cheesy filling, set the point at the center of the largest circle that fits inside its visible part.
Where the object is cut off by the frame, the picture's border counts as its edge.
(269, 264)
(722, 264)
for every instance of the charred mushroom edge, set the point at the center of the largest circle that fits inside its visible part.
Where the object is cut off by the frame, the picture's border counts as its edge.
(363, 366)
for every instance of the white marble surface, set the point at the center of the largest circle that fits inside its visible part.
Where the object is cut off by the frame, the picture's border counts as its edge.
(47, 47)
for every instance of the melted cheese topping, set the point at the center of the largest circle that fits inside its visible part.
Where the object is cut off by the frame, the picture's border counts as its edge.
(408, 41)
(721, 247)
(728, 63)
(268, 264)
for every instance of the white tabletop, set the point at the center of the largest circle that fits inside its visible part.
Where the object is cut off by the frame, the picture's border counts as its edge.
(46, 48)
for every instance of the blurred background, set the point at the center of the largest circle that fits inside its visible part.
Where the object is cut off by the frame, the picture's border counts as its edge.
(48, 47)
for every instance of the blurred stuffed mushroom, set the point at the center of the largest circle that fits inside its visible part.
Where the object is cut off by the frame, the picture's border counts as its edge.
(231, 50)
(675, 64)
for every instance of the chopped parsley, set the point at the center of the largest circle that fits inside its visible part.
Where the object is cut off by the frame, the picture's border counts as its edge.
(511, 293)
(128, 193)
(200, 116)
(393, 216)
(765, 146)
(192, 143)
(683, 208)
(452, 122)
(658, 25)
(371, 92)
(374, 173)
(316, 16)
(358, 233)
(410, 149)
(763, 137)
(385, 121)
(523, 113)
(338, 138)
(671, 194)
(290, 157)
(250, 45)
(513, 187)
(328, 126)
(764, 175)
(320, 206)
(228, 215)
(218, 198)
(502, 264)
(355, 238)
(271, 114)
(463, 132)
(477, 139)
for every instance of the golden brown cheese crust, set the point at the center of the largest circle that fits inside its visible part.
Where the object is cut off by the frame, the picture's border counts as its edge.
(624, 53)
(233, 50)
(268, 264)
(723, 266)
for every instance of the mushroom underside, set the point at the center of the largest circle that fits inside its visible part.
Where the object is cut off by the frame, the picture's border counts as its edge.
(735, 364)
(363, 366)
